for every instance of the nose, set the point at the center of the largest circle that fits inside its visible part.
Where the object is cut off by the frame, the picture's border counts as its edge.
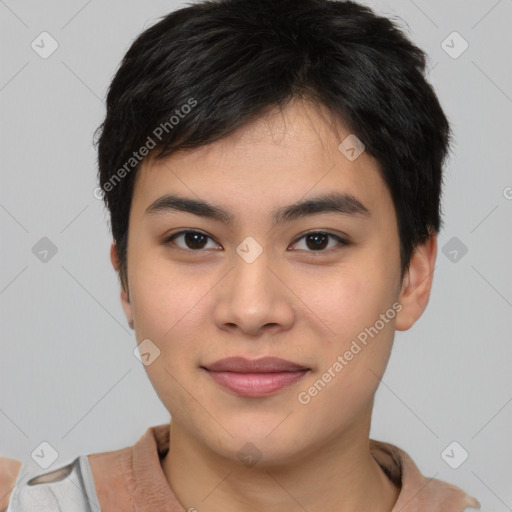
(254, 299)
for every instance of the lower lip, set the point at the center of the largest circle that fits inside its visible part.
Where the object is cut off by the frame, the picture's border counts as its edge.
(256, 384)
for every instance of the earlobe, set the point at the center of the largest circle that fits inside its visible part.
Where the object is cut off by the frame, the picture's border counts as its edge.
(417, 284)
(125, 302)
(113, 257)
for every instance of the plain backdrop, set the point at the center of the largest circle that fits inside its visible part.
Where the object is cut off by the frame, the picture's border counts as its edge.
(68, 375)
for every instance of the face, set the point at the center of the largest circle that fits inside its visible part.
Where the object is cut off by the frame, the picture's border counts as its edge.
(253, 277)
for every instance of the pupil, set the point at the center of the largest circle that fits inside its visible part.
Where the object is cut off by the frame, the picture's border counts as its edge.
(319, 240)
(191, 239)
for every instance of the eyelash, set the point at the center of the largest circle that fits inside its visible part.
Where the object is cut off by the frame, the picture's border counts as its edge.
(342, 241)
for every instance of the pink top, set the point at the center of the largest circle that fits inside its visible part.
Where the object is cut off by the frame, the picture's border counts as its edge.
(132, 479)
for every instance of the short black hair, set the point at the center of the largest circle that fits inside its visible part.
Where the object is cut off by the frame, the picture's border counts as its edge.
(205, 70)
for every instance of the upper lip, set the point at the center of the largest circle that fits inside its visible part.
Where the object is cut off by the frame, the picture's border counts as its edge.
(263, 365)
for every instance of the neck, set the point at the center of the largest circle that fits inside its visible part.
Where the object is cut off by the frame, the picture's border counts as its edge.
(338, 476)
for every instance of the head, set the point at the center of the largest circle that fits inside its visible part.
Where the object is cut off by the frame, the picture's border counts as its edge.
(237, 110)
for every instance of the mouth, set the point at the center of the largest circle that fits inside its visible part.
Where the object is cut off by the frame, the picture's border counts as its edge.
(254, 378)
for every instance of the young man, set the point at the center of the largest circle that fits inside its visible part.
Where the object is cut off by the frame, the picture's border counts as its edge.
(273, 174)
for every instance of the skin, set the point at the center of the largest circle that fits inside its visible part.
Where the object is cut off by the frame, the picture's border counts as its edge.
(293, 302)
(9, 469)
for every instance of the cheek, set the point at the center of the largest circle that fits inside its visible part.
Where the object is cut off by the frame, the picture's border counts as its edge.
(165, 299)
(349, 300)
(168, 311)
(361, 336)
(352, 363)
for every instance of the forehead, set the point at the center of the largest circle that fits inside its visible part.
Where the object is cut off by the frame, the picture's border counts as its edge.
(275, 160)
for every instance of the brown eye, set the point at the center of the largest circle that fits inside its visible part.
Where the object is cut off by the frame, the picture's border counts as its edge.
(318, 241)
(191, 240)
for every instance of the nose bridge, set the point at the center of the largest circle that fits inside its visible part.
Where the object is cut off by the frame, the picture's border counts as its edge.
(252, 296)
(250, 281)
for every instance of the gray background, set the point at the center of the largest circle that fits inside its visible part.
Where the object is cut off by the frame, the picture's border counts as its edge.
(68, 375)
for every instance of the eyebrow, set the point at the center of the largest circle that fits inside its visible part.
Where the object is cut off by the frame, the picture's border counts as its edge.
(339, 203)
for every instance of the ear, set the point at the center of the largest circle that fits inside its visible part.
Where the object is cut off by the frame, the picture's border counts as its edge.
(417, 284)
(125, 299)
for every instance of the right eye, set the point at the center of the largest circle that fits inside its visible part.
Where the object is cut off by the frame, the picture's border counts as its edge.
(191, 240)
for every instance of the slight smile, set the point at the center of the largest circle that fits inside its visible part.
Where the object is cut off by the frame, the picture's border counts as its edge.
(255, 378)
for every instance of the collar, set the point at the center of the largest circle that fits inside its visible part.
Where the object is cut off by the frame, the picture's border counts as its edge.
(132, 479)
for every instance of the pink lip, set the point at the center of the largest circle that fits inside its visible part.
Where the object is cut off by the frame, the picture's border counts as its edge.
(254, 378)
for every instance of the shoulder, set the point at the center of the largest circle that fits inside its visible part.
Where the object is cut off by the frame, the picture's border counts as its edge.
(419, 492)
(9, 470)
(70, 487)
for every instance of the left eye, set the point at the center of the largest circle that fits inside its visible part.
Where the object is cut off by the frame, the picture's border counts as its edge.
(316, 241)
(319, 241)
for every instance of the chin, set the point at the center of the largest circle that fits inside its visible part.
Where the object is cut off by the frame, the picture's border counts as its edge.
(259, 445)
